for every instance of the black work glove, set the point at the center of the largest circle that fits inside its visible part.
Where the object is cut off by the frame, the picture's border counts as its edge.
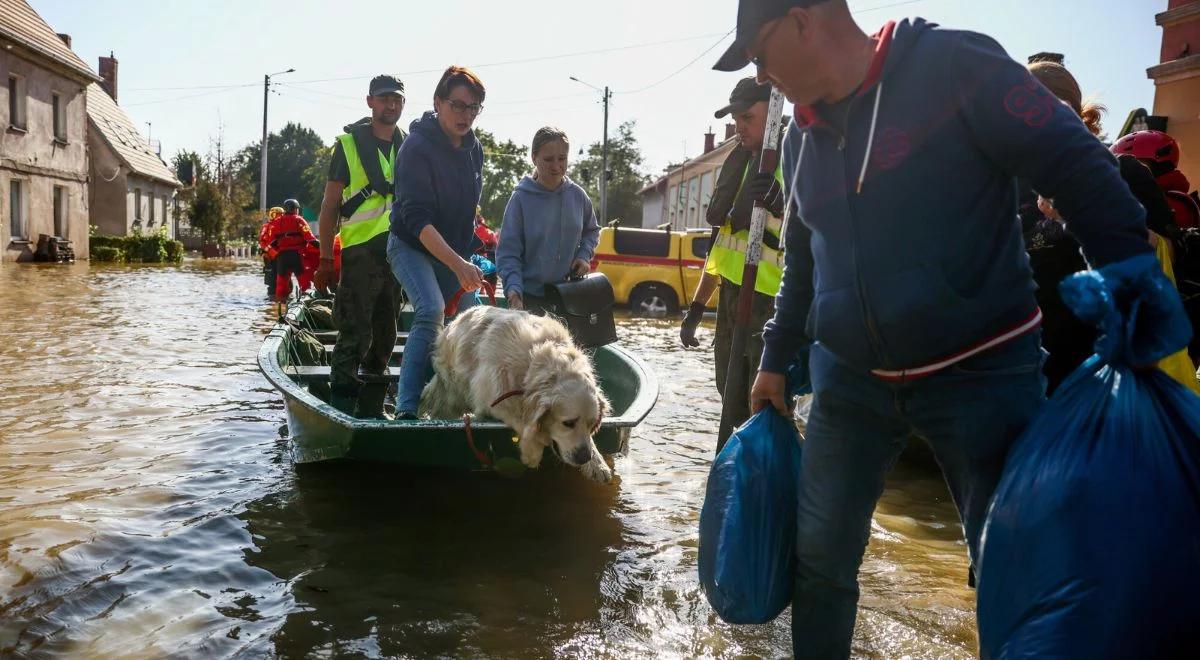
(764, 186)
(687, 331)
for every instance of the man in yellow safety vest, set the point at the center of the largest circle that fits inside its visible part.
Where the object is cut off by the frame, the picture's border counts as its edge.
(359, 194)
(729, 209)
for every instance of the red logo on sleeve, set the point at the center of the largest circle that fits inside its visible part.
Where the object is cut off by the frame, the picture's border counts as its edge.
(1030, 103)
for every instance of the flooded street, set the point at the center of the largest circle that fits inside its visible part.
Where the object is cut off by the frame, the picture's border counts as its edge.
(148, 507)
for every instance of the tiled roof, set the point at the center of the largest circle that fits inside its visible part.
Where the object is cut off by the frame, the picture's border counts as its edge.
(20, 23)
(119, 132)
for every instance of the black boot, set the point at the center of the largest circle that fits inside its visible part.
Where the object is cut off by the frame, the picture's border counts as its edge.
(370, 401)
(344, 398)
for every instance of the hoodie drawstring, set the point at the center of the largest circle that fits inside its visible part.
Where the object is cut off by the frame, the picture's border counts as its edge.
(870, 138)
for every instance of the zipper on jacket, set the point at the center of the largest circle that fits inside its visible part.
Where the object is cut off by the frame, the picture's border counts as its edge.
(873, 334)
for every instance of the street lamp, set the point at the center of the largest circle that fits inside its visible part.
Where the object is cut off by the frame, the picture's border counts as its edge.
(262, 178)
(604, 151)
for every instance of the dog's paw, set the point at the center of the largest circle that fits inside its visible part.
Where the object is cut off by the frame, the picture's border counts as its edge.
(531, 456)
(597, 471)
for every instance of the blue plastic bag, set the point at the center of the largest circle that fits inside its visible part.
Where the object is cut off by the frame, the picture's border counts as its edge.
(798, 381)
(1092, 544)
(748, 522)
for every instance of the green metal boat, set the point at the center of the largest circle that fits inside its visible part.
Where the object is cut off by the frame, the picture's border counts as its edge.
(320, 432)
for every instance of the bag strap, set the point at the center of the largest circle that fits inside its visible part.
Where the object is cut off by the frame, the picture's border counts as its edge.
(364, 142)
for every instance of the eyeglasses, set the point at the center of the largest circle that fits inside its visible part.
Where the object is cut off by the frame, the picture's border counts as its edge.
(462, 108)
(760, 60)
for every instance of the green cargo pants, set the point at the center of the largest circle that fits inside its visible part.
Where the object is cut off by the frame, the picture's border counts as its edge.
(365, 310)
(761, 311)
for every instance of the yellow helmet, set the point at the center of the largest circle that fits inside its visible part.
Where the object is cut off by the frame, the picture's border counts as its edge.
(275, 212)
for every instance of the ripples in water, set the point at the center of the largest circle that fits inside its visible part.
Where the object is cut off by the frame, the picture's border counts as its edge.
(148, 508)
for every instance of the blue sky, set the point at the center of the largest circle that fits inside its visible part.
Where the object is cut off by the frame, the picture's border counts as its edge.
(171, 50)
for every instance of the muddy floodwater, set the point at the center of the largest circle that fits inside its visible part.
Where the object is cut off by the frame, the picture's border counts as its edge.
(148, 507)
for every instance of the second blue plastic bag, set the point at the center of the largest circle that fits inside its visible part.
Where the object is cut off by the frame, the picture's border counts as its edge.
(748, 522)
(1092, 544)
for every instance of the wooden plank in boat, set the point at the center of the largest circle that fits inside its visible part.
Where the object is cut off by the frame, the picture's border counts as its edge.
(396, 350)
(330, 336)
(317, 373)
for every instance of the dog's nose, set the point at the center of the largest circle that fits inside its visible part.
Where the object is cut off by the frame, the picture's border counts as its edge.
(581, 455)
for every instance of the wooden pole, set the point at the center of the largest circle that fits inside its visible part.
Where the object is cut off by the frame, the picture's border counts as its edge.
(735, 375)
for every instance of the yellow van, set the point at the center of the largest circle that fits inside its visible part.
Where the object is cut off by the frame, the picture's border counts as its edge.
(654, 271)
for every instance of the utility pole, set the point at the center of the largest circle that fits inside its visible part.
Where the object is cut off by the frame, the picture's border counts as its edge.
(604, 163)
(603, 151)
(262, 176)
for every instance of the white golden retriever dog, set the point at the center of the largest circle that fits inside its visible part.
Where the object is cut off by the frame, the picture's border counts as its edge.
(488, 352)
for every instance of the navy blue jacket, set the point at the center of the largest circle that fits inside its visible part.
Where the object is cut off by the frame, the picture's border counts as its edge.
(437, 184)
(915, 254)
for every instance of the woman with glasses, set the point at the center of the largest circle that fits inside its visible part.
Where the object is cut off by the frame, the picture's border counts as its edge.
(439, 175)
(550, 231)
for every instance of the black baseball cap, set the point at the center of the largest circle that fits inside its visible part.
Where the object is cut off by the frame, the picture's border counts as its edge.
(752, 15)
(385, 84)
(746, 93)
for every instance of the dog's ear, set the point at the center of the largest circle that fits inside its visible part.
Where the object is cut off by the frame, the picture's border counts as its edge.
(537, 408)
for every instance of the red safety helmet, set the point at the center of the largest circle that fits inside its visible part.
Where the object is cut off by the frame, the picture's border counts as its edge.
(1153, 146)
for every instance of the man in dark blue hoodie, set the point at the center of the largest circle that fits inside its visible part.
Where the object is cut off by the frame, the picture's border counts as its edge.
(905, 266)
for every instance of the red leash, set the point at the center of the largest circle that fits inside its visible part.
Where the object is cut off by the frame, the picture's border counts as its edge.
(506, 396)
(480, 456)
(452, 306)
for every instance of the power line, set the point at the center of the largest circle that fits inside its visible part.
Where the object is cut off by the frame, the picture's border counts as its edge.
(182, 98)
(529, 60)
(682, 68)
(887, 6)
(165, 89)
(726, 36)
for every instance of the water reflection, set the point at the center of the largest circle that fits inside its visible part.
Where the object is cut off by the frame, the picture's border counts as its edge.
(148, 508)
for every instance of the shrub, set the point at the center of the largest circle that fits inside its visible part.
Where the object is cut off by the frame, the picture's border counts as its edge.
(174, 251)
(106, 253)
(97, 241)
(152, 250)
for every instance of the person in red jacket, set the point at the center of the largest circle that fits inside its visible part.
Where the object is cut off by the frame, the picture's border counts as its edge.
(268, 254)
(290, 236)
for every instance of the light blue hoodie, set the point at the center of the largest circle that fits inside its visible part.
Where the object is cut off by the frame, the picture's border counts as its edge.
(544, 231)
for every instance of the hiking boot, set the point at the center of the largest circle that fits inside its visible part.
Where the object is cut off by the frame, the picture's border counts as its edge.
(370, 402)
(345, 400)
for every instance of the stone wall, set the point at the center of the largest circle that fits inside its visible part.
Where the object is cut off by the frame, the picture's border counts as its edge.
(40, 161)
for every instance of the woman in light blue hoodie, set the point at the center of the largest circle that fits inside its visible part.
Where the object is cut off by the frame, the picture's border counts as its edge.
(550, 230)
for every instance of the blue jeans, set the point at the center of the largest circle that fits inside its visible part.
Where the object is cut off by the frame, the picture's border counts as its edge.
(969, 413)
(428, 283)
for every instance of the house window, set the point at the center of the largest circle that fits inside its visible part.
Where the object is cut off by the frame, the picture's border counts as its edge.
(18, 210)
(60, 116)
(60, 211)
(151, 208)
(16, 101)
(137, 204)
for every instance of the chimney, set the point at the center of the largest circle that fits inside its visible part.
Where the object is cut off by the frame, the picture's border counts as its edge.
(710, 140)
(730, 129)
(66, 39)
(108, 74)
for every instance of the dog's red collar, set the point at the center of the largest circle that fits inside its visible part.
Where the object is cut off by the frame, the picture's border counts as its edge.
(507, 395)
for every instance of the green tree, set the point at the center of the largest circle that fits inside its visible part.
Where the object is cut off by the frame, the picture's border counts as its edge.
(504, 163)
(290, 152)
(625, 175)
(315, 175)
(182, 158)
(207, 212)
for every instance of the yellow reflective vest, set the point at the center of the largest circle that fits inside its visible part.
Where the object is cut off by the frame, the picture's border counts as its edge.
(374, 215)
(727, 257)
